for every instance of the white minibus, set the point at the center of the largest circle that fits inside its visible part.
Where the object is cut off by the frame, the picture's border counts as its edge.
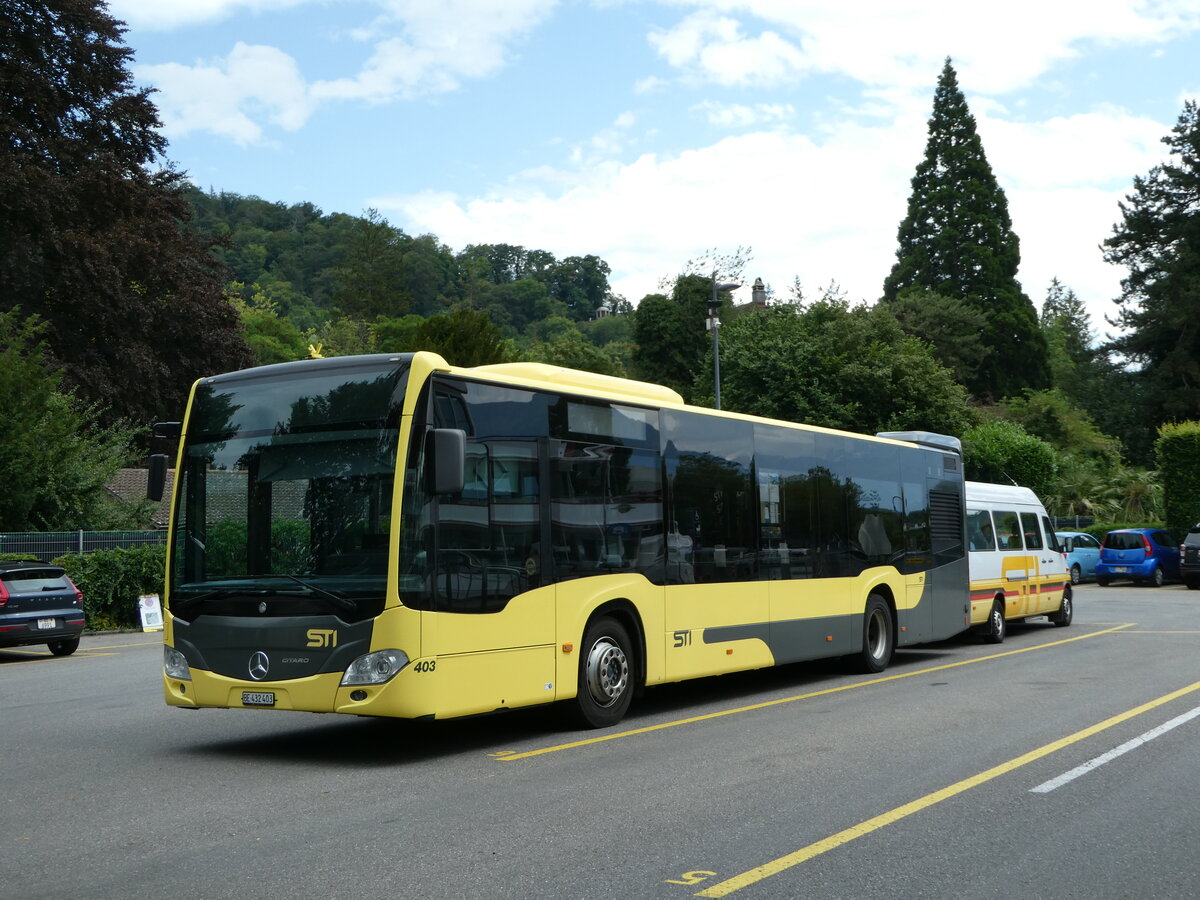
(1017, 566)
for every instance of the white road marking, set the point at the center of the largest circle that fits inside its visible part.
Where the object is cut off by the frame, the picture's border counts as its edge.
(1088, 766)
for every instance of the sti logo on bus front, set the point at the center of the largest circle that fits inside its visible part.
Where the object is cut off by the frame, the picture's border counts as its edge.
(322, 637)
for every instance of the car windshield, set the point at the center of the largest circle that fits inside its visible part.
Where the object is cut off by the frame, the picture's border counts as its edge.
(286, 486)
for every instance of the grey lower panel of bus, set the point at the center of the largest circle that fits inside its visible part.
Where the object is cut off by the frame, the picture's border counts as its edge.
(796, 639)
(799, 639)
(294, 647)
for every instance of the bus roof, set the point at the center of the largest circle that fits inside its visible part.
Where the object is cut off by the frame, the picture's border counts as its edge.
(984, 492)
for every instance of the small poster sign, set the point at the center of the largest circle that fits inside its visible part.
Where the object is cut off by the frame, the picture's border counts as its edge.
(151, 610)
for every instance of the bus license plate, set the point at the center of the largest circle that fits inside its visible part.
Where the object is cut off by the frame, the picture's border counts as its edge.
(47, 624)
(258, 698)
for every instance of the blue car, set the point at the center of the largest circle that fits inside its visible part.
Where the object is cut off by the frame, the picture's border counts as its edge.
(1082, 552)
(1144, 555)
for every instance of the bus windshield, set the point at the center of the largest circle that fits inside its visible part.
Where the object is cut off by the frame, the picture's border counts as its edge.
(285, 493)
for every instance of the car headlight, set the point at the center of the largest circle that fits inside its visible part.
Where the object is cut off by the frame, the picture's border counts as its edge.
(375, 668)
(175, 664)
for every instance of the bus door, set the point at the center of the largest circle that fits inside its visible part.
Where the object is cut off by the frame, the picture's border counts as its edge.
(492, 634)
(1018, 567)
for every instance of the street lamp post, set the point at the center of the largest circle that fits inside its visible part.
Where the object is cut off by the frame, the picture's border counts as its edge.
(713, 324)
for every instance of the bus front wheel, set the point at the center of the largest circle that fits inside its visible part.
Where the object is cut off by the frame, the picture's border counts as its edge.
(878, 637)
(606, 674)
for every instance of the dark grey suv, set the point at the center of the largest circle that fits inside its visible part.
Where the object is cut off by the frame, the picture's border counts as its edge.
(1189, 558)
(39, 605)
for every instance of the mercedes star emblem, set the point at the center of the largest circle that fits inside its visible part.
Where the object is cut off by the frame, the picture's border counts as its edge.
(259, 664)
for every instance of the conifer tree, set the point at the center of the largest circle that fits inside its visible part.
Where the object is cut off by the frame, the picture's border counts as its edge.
(957, 241)
(1159, 242)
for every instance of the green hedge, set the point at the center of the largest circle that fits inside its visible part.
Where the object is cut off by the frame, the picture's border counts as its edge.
(1177, 451)
(112, 581)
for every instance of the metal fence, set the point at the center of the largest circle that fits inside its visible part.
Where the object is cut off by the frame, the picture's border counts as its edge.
(46, 545)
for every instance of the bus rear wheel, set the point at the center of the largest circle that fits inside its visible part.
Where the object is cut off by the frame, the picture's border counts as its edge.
(606, 674)
(878, 637)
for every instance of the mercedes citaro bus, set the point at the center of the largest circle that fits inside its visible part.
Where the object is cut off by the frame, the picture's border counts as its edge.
(390, 535)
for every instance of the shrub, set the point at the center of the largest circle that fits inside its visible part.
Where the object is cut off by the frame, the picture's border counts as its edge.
(1178, 453)
(112, 580)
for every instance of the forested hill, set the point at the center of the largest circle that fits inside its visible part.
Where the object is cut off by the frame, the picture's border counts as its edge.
(315, 267)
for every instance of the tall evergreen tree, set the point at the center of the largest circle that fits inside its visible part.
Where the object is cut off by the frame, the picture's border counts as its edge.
(91, 238)
(957, 241)
(1159, 306)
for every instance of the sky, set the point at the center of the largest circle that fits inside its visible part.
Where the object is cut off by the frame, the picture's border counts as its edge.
(655, 132)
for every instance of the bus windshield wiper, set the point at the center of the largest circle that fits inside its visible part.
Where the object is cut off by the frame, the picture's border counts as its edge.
(334, 599)
(183, 603)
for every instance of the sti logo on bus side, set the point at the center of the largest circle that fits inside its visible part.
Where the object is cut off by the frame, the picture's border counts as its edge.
(322, 637)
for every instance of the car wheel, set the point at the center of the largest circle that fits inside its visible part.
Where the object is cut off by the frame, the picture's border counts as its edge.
(997, 628)
(878, 641)
(1076, 574)
(606, 675)
(1103, 582)
(65, 647)
(1157, 578)
(1193, 584)
(1066, 611)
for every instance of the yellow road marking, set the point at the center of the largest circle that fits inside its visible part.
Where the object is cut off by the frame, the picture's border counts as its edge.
(863, 828)
(119, 646)
(1160, 632)
(511, 757)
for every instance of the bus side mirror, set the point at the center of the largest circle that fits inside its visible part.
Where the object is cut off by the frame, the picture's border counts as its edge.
(156, 478)
(446, 460)
(1068, 545)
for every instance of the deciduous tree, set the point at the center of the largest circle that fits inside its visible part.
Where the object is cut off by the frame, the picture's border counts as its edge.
(838, 366)
(93, 237)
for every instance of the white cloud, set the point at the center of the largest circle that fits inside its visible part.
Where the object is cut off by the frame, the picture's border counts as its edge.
(419, 48)
(715, 49)
(167, 15)
(821, 211)
(232, 97)
(738, 115)
(438, 44)
(899, 43)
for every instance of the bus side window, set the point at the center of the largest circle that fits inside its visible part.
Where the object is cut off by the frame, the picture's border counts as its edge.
(980, 535)
(1008, 530)
(1033, 534)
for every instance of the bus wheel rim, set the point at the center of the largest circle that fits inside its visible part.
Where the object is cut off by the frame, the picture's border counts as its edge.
(607, 672)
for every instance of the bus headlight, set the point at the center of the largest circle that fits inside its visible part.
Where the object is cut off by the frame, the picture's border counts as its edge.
(175, 664)
(375, 668)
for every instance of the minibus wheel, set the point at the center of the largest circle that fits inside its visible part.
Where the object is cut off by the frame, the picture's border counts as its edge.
(997, 628)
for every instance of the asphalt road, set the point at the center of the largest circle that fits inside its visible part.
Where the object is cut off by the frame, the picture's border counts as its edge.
(1063, 763)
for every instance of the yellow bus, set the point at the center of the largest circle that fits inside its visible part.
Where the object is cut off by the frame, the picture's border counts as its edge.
(390, 535)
